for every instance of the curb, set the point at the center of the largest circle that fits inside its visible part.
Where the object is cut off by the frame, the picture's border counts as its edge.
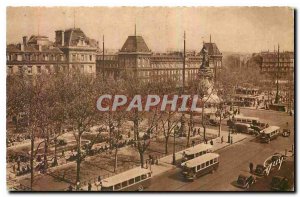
(230, 144)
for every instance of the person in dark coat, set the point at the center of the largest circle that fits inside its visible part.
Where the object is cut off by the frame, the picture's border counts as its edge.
(70, 188)
(251, 167)
(89, 186)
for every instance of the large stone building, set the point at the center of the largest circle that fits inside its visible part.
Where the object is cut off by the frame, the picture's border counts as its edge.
(72, 50)
(80, 50)
(136, 56)
(270, 62)
(34, 56)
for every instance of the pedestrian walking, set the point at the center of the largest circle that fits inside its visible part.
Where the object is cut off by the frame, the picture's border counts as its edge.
(211, 142)
(251, 167)
(231, 140)
(193, 143)
(222, 139)
(198, 131)
(97, 184)
(70, 188)
(78, 186)
(89, 186)
(18, 164)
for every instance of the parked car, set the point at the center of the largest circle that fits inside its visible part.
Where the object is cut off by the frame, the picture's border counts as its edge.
(260, 170)
(256, 129)
(244, 181)
(243, 128)
(286, 132)
(279, 183)
(213, 122)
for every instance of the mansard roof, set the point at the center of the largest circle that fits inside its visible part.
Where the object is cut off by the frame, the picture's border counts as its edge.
(135, 44)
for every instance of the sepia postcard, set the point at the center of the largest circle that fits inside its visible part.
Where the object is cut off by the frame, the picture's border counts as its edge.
(150, 99)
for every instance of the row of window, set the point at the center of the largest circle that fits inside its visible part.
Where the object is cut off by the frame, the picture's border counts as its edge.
(82, 57)
(131, 181)
(29, 69)
(34, 57)
(272, 133)
(172, 65)
(275, 69)
(206, 164)
(288, 64)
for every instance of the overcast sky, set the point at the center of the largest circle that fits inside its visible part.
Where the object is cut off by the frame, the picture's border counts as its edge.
(234, 29)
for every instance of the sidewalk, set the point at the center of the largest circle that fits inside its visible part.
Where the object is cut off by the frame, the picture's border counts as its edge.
(217, 145)
(165, 163)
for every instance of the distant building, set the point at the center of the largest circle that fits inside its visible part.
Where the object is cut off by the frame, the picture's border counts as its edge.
(270, 62)
(80, 50)
(34, 56)
(136, 56)
(72, 50)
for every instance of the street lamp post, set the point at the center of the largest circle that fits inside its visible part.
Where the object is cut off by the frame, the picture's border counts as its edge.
(277, 78)
(174, 157)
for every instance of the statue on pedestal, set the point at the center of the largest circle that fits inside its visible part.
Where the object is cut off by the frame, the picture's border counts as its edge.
(205, 70)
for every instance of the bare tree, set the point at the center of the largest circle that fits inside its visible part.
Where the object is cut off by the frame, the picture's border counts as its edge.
(168, 125)
(81, 110)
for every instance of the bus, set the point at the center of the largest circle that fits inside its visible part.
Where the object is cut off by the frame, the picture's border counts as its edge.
(200, 165)
(195, 151)
(246, 119)
(135, 179)
(269, 133)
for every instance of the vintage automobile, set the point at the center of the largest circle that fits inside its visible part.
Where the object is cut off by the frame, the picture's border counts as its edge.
(269, 133)
(243, 128)
(244, 181)
(279, 183)
(260, 170)
(213, 122)
(286, 132)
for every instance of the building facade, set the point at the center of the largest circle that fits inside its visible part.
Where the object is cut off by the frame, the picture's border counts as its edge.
(136, 56)
(270, 62)
(72, 50)
(80, 50)
(34, 56)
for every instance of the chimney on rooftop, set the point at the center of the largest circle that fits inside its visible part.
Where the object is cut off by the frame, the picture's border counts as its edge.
(60, 37)
(25, 40)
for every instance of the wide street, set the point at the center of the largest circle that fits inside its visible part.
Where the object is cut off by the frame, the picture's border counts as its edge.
(234, 160)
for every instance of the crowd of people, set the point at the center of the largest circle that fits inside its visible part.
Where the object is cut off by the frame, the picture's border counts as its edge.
(17, 138)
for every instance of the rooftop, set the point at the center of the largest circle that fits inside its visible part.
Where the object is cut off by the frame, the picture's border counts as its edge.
(197, 149)
(270, 129)
(135, 44)
(124, 176)
(201, 159)
(74, 35)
